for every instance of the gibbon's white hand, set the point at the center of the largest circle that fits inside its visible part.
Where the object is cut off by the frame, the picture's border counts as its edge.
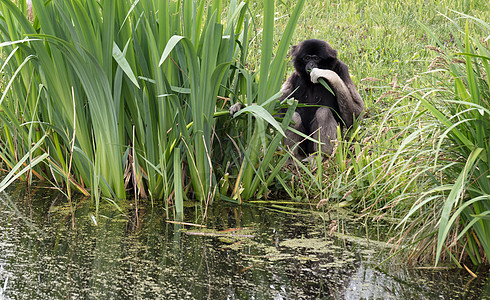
(327, 74)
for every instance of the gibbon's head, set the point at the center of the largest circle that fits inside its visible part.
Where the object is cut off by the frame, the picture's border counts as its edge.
(311, 54)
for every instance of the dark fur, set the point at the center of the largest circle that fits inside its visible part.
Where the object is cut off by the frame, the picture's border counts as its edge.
(344, 106)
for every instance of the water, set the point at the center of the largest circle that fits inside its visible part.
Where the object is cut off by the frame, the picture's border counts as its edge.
(288, 257)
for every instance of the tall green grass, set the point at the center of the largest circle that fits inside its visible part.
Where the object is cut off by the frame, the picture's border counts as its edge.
(129, 97)
(462, 154)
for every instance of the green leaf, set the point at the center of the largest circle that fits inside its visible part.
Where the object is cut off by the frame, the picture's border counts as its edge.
(123, 64)
(325, 84)
(178, 187)
(261, 113)
(448, 124)
(172, 42)
(454, 196)
(15, 173)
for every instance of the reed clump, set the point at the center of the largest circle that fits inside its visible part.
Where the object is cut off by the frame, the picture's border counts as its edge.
(116, 99)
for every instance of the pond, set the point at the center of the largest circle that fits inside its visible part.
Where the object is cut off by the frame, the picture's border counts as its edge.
(247, 252)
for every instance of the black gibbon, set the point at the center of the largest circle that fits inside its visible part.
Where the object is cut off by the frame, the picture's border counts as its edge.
(313, 59)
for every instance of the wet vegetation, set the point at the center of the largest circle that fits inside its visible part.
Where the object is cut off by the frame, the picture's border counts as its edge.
(126, 101)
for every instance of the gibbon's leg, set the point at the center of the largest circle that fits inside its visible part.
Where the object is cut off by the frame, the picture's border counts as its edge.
(293, 139)
(349, 106)
(324, 126)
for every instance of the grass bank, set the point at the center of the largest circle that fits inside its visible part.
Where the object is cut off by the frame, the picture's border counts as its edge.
(419, 157)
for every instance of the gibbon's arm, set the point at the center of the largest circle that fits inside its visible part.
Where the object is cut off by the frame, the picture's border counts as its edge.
(343, 72)
(348, 99)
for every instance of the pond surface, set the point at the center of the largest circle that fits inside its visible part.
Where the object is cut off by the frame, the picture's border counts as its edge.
(247, 252)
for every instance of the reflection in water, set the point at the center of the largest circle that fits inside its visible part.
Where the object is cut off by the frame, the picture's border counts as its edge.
(42, 257)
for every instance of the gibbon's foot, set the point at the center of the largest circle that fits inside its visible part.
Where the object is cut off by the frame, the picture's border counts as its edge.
(235, 108)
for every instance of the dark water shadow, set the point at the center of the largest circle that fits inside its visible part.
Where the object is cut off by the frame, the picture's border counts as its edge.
(247, 252)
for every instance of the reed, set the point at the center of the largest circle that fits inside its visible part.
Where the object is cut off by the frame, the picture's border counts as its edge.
(120, 96)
